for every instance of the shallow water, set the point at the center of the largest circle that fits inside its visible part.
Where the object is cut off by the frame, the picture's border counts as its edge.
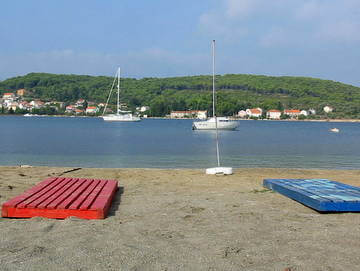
(157, 143)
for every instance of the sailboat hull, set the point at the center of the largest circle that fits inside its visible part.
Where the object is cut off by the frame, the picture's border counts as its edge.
(124, 118)
(210, 125)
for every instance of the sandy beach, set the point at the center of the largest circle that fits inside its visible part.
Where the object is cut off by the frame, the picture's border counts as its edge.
(183, 220)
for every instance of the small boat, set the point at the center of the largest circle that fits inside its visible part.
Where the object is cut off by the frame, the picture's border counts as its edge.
(334, 130)
(121, 115)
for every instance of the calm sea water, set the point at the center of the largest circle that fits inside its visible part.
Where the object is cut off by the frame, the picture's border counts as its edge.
(155, 143)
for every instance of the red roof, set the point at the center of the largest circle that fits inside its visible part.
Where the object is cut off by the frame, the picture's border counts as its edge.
(255, 111)
(293, 111)
(91, 107)
(9, 93)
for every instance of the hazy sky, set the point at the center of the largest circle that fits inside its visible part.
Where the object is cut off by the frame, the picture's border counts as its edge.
(158, 38)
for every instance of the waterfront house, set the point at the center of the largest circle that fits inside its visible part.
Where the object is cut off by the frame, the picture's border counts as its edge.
(254, 112)
(273, 114)
(312, 112)
(179, 114)
(91, 110)
(304, 113)
(199, 114)
(70, 109)
(80, 102)
(9, 96)
(13, 106)
(24, 105)
(292, 113)
(328, 109)
(79, 111)
(37, 104)
(242, 114)
(143, 108)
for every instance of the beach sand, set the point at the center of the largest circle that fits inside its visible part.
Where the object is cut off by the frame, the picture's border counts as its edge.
(183, 220)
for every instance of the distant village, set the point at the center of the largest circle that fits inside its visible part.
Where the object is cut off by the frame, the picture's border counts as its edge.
(254, 113)
(14, 103)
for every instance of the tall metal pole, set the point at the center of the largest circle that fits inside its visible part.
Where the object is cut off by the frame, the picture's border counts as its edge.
(118, 94)
(214, 112)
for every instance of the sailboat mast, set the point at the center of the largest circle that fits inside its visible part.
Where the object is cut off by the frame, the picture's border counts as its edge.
(118, 92)
(214, 112)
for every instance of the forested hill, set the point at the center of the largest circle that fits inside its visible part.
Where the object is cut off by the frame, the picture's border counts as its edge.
(234, 92)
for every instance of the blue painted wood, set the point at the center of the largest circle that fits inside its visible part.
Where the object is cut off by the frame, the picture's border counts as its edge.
(320, 194)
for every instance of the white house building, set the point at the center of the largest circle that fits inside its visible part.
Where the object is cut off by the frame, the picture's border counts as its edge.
(143, 108)
(9, 96)
(312, 111)
(199, 114)
(304, 113)
(328, 109)
(254, 112)
(37, 104)
(13, 106)
(242, 114)
(91, 110)
(293, 113)
(273, 114)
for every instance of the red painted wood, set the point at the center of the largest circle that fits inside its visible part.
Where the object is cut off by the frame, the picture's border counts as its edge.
(50, 195)
(44, 193)
(75, 195)
(64, 197)
(29, 193)
(76, 204)
(103, 201)
(92, 196)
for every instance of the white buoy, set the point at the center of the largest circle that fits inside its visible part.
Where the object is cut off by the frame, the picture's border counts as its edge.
(217, 170)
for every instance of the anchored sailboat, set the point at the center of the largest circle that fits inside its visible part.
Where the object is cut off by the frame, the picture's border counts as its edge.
(217, 124)
(120, 115)
(220, 123)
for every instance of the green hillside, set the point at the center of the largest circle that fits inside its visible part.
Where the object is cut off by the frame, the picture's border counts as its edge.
(234, 92)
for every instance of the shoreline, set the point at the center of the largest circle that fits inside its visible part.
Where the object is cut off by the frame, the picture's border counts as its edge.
(164, 118)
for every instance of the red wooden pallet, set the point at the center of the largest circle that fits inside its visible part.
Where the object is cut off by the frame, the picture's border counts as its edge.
(59, 197)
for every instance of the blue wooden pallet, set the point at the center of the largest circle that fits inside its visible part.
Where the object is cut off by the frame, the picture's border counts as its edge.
(320, 194)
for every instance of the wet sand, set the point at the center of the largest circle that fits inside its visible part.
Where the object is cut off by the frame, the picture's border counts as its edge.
(183, 220)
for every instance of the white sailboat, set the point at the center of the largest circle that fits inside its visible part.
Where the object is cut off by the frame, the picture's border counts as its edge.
(120, 115)
(219, 170)
(215, 123)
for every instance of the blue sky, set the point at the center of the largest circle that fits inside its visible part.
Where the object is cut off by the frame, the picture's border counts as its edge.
(161, 38)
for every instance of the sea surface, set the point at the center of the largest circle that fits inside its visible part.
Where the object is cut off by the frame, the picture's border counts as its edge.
(160, 143)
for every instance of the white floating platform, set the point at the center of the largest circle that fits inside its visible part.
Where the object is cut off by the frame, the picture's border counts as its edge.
(219, 171)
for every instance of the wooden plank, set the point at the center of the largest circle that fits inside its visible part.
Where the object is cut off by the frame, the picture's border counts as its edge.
(66, 192)
(44, 193)
(103, 200)
(60, 195)
(13, 202)
(320, 194)
(64, 197)
(75, 195)
(92, 196)
(81, 198)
